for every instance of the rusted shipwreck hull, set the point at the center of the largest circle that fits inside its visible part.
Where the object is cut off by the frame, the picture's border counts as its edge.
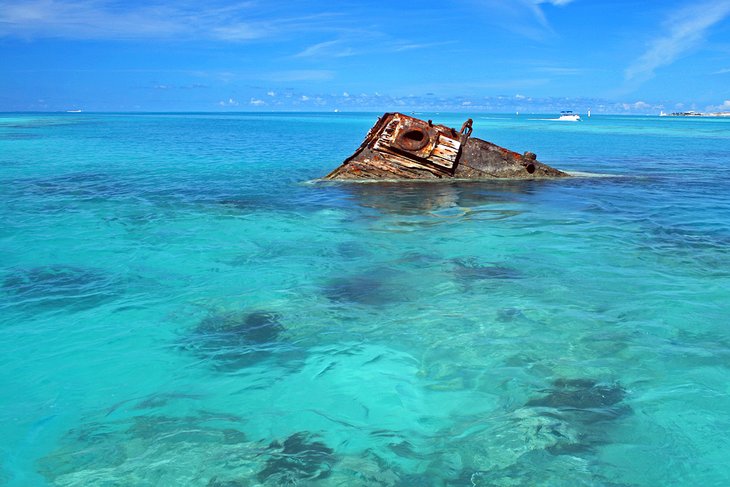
(403, 147)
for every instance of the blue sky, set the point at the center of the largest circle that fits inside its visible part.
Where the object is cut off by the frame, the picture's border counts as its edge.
(449, 55)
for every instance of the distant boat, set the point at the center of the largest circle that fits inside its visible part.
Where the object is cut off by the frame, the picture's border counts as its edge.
(568, 116)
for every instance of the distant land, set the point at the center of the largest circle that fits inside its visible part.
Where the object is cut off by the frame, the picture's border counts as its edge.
(695, 114)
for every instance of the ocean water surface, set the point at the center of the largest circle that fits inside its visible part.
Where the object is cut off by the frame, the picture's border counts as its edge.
(180, 304)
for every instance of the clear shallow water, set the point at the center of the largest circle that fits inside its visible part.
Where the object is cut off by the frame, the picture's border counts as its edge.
(180, 306)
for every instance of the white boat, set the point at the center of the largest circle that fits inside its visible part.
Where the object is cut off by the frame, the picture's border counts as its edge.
(568, 116)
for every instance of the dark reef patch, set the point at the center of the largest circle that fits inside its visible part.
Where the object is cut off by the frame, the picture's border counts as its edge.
(469, 270)
(102, 186)
(80, 184)
(548, 439)
(253, 203)
(59, 286)
(356, 289)
(216, 482)
(153, 401)
(298, 458)
(686, 239)
(258, 327)
(574, 414)
(580, 394)
(372, 288)
(236, 340)
(509, 315)
(19, 136)
(693, 246)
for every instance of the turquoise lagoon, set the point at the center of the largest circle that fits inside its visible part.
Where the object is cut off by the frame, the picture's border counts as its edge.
(180, 304)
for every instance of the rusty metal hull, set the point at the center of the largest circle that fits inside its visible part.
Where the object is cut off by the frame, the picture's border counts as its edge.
(402, 147)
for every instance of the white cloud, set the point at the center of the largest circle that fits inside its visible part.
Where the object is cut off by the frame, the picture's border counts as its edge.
(271, 93)
(228, 103)
(304, 98)
(639, 106)
(345, 94)
(257, 102)
(685, 30)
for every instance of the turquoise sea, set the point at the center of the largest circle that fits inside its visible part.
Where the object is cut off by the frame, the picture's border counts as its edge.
(180, 304)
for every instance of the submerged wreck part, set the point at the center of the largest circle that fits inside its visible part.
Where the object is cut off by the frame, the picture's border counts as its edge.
(403, 147)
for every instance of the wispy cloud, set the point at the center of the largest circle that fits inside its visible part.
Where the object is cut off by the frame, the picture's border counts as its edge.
(242, 31)
(106, 19)
(525, 17)
(410, 46)
(85, 19)
(686, 29)
(329, 49)
(559, 3)
(379, 43)
(535, 7)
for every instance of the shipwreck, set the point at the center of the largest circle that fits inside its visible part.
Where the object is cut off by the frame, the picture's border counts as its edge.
(402, 147)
